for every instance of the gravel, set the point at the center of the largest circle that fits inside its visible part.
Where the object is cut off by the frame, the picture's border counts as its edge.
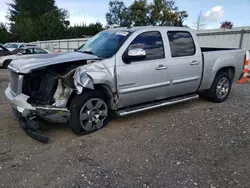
(194, 144)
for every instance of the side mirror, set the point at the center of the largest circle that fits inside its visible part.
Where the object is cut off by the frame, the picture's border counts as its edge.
(135, 54)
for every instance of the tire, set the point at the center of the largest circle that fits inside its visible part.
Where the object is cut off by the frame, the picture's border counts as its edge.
(98, 115)
(6, 63)
(220, 88)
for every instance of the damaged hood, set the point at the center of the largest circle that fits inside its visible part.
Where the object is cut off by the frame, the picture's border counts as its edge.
(16, 57)
(38, 62)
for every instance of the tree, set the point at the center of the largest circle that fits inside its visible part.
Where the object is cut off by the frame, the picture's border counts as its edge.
(180, 18)
(33, 9)
(226, 25)
(4, 33)
(118, 14)
(23, 30)
(164, 12)
(139, 11)
(83, 30)
(200, 22)
(50, 26)
(94, 28)
(159, 12)
(32, 20)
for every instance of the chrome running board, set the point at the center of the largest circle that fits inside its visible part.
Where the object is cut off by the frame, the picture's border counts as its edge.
(158, 104)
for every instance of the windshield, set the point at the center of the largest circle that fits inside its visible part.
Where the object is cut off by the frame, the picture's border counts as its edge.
(105, 44)
(11, 45)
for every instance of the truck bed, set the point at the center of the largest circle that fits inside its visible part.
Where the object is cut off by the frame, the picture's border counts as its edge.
(215, 58)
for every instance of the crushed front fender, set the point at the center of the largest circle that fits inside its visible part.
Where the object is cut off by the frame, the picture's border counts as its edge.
(94, 73)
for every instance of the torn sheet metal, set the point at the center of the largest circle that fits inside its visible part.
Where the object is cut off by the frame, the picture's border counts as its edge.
(62, 95)
(95, 73)
(82, 80)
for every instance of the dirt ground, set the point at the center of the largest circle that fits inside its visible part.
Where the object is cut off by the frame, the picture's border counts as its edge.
(194, 144)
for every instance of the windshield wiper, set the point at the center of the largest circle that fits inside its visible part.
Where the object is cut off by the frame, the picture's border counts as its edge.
(87, 52)
(90, 52)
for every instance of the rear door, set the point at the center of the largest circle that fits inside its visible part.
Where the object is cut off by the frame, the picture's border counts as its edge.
(184, 63)
(143, 80)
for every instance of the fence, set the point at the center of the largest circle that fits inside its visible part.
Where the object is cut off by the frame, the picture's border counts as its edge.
(238, 37)
(62, 45)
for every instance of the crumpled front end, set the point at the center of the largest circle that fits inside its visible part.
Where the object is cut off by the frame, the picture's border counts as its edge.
(46, 93)
(28, 111)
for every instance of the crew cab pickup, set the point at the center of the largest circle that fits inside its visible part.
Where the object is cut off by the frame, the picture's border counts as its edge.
(121, 70)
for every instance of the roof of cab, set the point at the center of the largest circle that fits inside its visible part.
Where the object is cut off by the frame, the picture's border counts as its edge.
(146, 28)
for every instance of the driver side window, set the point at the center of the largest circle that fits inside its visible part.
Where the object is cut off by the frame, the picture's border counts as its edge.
(152, 43)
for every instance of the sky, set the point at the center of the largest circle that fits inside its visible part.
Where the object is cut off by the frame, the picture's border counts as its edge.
(214, 11)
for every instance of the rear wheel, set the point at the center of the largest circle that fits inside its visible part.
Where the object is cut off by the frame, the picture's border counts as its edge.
(89, 112)
(220, 88)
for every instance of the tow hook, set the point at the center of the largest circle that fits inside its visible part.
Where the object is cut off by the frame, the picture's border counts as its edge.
(30, 127)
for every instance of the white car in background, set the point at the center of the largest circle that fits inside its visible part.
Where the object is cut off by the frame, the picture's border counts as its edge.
(22, 53)
(13, 46)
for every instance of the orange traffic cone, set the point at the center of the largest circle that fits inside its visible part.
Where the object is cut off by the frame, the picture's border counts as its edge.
(245, 71)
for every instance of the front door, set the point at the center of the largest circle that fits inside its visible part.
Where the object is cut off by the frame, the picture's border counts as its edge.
(184, 63)
(145, 80)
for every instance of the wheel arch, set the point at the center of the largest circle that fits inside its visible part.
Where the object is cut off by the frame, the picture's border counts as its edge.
(230, 70)
(110, 97)
(6, 63)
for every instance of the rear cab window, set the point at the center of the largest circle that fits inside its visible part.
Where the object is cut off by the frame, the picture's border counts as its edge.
(181, 43)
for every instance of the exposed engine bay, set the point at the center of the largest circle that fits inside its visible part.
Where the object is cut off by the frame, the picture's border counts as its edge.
(51, 86)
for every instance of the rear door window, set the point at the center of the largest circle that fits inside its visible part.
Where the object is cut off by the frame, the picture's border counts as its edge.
(181, 43)
(152, 43)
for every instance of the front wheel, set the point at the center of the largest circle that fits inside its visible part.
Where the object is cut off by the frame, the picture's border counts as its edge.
(89, 112)
(220, 88)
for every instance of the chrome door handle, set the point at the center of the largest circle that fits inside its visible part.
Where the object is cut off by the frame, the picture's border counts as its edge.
(195, 63)
(161, 67)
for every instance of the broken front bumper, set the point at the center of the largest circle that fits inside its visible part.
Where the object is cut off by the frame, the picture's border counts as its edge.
(49, 113)
(27, 114)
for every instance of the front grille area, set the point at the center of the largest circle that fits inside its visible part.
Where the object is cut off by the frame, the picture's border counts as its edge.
(14, 81)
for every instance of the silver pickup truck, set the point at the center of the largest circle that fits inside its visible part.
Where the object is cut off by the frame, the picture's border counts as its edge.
(121, 71)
